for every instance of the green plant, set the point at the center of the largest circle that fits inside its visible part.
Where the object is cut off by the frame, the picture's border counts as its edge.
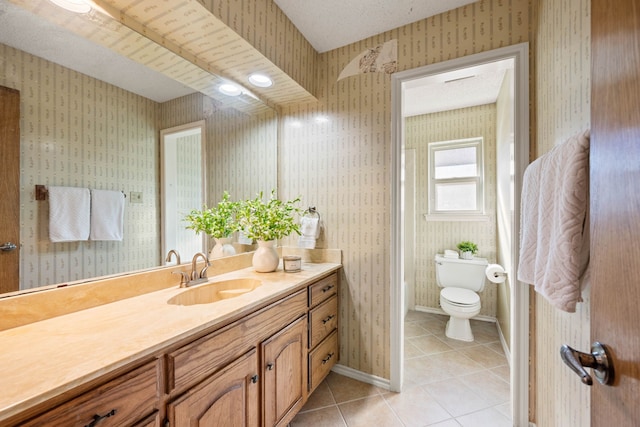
(468, 247)
(268, 220)
(218, 222)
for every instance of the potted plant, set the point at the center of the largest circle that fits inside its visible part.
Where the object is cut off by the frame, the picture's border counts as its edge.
(467, 249)
(266, 221)
(217, 222)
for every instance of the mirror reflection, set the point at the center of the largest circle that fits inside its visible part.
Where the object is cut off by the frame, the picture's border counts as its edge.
(101, 132)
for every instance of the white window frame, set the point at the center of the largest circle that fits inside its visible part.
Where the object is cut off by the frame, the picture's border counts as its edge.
(461, 215)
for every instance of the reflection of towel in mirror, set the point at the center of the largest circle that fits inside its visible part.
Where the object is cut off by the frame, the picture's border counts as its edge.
(310, 227)
(107, 215)
(68, 214)
(554, 230)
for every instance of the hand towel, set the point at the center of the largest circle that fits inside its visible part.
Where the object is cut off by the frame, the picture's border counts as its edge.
(310, 227)
(554, 223)
(68, 214)
(107, 215)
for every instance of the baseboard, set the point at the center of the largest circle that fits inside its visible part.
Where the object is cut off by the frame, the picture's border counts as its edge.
(361, 376)
(505, 347)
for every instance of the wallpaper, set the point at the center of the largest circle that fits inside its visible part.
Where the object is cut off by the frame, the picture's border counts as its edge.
(563, 108)
(80, 132)
(336, 154)
(435, 236)
(241, 149)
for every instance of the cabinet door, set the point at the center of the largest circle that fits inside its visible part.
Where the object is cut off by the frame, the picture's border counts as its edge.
(227, 398)
(285, 373)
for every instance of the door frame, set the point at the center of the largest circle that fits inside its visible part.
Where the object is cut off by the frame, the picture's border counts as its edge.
(519, 293)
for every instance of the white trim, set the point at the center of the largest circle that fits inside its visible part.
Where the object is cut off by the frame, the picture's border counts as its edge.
(456, 218)
(361, 376)
(505, 347)
(520, 296)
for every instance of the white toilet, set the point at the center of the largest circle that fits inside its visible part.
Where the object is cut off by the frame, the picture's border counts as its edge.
(460, 281)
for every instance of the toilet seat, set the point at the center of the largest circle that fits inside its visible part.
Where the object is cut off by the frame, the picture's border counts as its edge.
(460, 297)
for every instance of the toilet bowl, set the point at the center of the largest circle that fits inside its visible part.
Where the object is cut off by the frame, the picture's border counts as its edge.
(460, 281)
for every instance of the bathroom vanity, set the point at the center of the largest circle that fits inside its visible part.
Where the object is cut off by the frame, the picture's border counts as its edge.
(165, 356)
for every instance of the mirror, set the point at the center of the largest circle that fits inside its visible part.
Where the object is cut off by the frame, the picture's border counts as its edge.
(103, 132)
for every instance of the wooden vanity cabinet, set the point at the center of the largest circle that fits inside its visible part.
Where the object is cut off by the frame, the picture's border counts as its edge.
(323, 329)
(126, 400)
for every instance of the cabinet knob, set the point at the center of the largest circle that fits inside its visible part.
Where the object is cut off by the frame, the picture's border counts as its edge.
(269, 366)
(324, 321)
(327, 288)
(326, 359)
(255, 378)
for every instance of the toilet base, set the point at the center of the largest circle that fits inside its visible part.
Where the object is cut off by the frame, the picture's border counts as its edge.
(459, 329)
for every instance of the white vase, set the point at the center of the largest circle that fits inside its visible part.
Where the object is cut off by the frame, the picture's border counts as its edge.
(466, 255)
(265, 258)
(222, 248)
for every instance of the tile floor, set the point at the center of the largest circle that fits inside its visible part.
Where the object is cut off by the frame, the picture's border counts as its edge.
(448, 383)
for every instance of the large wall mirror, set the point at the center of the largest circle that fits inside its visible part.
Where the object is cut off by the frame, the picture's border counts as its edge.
(91, 117)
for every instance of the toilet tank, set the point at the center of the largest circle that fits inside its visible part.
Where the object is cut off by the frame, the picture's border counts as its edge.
(461, 273)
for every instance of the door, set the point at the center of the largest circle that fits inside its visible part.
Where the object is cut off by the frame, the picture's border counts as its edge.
(228, 398)
(615, 206)
(10, 189)
(284, 358)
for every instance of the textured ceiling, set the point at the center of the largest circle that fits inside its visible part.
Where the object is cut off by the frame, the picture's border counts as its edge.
(329, 24)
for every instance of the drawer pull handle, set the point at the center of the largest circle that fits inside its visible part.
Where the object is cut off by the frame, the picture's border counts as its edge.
(324, 321)
(97, 418)
(327, 288)
(326, 359)
(255, 378)
(269, 366)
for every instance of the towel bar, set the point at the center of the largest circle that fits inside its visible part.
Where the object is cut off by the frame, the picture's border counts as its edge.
(42, 193)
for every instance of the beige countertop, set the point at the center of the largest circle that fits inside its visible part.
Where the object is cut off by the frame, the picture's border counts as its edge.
(41, 360)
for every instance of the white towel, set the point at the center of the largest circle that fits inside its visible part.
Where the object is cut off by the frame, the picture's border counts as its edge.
(68, 214)
(107, 215)
(310, 227)
(554, 226)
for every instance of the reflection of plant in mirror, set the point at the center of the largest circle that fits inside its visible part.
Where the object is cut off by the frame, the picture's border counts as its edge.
(217, 222)
(467, 246)
(268, 220)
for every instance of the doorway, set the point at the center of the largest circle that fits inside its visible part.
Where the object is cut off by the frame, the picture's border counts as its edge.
(518, 335)
(183, 186)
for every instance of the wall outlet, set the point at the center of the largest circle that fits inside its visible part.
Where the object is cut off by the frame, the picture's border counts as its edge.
(136, 197)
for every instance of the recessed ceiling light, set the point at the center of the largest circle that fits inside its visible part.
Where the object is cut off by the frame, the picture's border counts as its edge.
(230, 89)
(260, 80)
(77, 6)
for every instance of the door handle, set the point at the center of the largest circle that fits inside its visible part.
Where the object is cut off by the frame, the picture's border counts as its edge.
(8, 247)
(599, 360)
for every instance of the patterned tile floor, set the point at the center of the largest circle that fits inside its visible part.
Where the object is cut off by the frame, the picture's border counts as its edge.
(448, 383)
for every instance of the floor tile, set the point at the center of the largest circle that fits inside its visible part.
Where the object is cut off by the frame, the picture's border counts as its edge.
(325, 417)
(484, 356)
(487, 417)
(448, 423)
(429, 344)
(416, 408)
(367, 412)
(345, 389)
(456, 397)
(320, 398)
(490, 386)
(413, 329)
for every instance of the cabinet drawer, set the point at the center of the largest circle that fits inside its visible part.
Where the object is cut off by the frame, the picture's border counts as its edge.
(122, 401)
(323, 289)
(195, 361)
(322, 359)
(322, 320)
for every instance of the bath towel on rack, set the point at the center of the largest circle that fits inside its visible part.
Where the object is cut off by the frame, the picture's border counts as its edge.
(69, 209)
(107, 215)
(554, 231)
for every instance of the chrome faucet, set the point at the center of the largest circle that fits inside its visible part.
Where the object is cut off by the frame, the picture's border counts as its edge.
(170, 253)
(202, 275)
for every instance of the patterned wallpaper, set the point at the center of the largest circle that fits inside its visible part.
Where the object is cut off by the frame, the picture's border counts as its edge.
(80, 132)
(435, 236)
(336, 153)
(563, 89)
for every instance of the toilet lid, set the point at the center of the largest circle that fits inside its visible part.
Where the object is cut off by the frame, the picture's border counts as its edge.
(460, 296)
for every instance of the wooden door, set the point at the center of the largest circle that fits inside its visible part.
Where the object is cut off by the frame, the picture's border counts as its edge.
(285, 372)
(9, 188)
(229, 398)
(615, 206)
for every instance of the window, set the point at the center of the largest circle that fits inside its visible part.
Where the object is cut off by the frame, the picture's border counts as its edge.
(456, 178)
